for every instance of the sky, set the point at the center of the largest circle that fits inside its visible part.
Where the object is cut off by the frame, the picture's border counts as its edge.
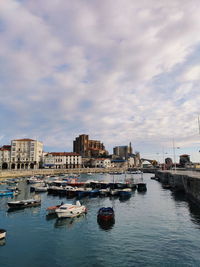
(120, 71)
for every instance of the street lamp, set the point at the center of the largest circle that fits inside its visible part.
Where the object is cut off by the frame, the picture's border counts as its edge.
(164, 158)
(174, 152)
(158, 157)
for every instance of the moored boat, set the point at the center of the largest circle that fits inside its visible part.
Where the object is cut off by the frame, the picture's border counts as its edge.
(41, 188)
(24, 203)
(104, 192)
(2, 234)
(70, 210)
(106, 214)
(126, 192)
(52, 209)
(114, 192)
(6, 193)
(141, 187)
(94, 193)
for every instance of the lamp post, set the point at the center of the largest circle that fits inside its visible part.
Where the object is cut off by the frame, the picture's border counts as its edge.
(157, 158)
(174, 152)
(164, 158)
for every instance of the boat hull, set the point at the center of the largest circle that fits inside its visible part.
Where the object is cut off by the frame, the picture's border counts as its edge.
(105, 214)
(6, 193)
(71, 214)
(24, 204)
(2, 234)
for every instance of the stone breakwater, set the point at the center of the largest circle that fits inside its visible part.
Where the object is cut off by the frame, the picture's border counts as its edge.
(186, 181)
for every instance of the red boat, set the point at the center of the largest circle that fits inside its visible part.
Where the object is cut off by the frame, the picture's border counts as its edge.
(106, 214)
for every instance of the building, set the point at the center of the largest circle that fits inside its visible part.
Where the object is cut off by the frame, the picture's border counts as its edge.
(184, 160)
(119, 163)
(88, 148)
(5, 157)
(123, 152)
(101, 163)
(62, 160)
(26, 154)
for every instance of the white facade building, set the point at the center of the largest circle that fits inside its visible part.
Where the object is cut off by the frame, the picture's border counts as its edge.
(101, 163)
(5, 157)
(62, 160)
(26, 154)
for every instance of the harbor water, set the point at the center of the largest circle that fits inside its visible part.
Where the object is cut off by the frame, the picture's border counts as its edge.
(153, 228)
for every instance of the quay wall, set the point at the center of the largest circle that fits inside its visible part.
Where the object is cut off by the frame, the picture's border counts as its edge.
(188, 183)
(21, 173)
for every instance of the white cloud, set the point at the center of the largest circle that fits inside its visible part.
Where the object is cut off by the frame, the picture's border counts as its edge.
(119, 70)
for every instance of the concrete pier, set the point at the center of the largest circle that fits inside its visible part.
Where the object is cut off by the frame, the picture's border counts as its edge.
(186, 181)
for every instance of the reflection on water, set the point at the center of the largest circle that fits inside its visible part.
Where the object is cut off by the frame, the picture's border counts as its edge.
(2, 242)
(194, 213)
(106, 225)
(33, 210)
(51, 216)
(157, 221)
(193, 207)
(179, 196)
(68, 222)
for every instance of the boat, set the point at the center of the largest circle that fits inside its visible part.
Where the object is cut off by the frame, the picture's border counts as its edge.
(24, 203)
(114, 192)
(141, 187)
(104, 192)
(82, 192)
(2, 234)
(6, 193)
(70, 210)
(94, 193)
(34, 180)
(52, 209)
(126, 192)
(105, 214)
(39, 188)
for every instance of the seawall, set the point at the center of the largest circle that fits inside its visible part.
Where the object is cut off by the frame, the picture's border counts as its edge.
(186, 181)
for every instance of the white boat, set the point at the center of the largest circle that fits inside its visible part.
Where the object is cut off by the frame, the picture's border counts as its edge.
(114, 192)
(52, 209)
(70, 210)
(34, 180)
(41, 188)
(2, 234)
(104, 192)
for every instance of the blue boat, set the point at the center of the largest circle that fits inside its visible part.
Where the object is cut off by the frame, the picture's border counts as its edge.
(82, 193)
(127, 192)
(94, 193)
(6, 193)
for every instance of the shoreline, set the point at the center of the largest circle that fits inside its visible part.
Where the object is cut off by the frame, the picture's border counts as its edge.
(20, 173)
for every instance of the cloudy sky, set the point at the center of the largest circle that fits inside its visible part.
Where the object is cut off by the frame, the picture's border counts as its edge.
(117, 70)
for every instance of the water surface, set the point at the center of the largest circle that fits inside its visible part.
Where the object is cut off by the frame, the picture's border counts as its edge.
(156, 228)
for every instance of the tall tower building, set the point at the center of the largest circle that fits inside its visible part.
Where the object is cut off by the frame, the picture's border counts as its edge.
(88, 148)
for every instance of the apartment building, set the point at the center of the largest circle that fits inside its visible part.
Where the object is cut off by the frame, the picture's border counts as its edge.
(26, 154)
(62, 160)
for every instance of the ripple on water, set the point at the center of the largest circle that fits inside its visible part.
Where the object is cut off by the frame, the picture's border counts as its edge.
(157, 228)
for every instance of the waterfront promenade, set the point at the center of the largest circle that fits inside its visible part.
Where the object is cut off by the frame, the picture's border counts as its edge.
(20, 173)
(193, 174)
